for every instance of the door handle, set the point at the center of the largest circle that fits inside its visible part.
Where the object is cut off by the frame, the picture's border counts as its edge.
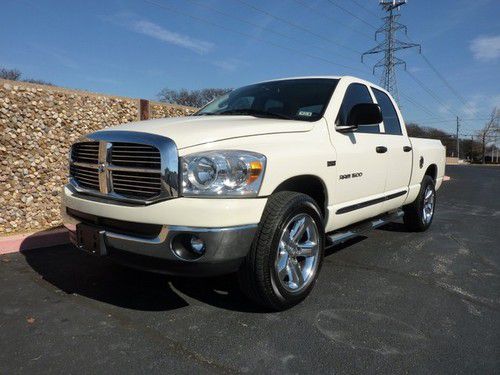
(407, 148)
(381, 149)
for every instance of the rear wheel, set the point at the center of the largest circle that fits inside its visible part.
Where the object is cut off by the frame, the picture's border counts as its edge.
(286, 255)
(418, 215)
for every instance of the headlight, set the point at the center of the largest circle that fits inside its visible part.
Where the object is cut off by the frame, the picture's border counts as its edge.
(222, 173)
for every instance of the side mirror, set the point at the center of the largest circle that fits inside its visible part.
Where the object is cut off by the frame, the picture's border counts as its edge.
(364, 114)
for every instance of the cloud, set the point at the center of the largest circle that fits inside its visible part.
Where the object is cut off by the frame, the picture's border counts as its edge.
(155, 31)
(414, 69)
(444, 109)
(57, 55)
(471, 109)
(486, 48)
(229, 65)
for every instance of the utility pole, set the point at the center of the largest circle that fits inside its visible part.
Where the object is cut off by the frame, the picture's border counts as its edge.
(458, 139)
(494, 147)
(471, 148)
(390, 45)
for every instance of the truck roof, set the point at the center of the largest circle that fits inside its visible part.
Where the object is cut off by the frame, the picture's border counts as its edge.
(348, 78)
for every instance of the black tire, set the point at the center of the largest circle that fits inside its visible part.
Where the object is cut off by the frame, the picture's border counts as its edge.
(258, 277)
(413, 218)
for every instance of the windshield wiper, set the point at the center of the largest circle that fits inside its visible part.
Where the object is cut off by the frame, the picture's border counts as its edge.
(256, 113)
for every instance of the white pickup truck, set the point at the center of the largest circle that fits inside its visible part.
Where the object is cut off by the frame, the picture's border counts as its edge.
(257, 182)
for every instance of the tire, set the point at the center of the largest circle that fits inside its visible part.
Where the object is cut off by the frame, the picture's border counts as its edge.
(281, 269)
(418, 215)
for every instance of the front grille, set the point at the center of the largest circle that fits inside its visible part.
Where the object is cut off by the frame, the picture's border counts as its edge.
(85, 152)
(130, 170)
(85, 176)
(135, 155)
(136, 184)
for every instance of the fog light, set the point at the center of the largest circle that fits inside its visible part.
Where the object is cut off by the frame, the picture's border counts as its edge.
(188, 246)
(197, 245)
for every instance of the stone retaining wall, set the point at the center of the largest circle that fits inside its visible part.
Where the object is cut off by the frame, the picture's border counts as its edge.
(37, 126)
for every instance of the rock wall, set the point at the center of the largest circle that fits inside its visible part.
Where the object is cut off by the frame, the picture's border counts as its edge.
(37, 126)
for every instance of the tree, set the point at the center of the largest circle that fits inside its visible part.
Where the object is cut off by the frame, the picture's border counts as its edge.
(12, 74)
(489, 131)
(15, 75)
(448, 140)
(191, 98)
(38, 81)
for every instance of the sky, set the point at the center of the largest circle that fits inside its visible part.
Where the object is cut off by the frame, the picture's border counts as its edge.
(137, 47)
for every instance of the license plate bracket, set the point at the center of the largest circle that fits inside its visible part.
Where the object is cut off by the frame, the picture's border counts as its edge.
(90, 239)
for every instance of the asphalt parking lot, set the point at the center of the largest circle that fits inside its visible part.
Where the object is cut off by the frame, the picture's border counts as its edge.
(392, 302)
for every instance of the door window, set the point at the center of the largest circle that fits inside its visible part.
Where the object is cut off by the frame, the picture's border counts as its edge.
(356, 93)
(391, 119)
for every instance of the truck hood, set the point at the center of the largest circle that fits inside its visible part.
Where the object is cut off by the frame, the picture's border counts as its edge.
(195, 130)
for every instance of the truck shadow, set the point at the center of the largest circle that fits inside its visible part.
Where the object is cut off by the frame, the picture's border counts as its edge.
(74, 272)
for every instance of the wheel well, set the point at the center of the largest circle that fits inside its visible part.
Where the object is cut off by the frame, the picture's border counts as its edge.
(432, 171)
(307, 184)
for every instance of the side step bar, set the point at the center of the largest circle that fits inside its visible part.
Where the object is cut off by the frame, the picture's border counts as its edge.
(345, 234)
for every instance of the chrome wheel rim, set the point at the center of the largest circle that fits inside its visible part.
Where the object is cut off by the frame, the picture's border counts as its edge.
(428, 206)
(298, 253)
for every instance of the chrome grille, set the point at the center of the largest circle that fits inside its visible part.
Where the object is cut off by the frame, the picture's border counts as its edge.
(116, 168)
(85, 176)
(135, 155)
(85, 152)
(139, 184)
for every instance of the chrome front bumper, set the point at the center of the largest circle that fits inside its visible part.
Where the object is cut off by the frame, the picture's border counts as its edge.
(225, 248)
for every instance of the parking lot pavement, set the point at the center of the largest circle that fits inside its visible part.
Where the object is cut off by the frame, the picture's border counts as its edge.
(391, 302)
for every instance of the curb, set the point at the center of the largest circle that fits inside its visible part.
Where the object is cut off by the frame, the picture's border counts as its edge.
(29, 241)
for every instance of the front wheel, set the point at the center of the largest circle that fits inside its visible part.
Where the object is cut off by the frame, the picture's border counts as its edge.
(419, 214)
(286, 255)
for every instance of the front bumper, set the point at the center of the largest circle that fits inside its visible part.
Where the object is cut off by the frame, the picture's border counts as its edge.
(225, 245)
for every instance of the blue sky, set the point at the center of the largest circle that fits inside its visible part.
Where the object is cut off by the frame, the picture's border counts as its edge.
(137, 47)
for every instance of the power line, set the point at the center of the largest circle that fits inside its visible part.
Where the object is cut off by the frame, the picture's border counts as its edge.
(297, 26)
(445, 81)
(365, 8)
(352, 14)
(283, 35)
(300, 52)
(430, 92)
(453, 120)
(417, 104)
(322, 14)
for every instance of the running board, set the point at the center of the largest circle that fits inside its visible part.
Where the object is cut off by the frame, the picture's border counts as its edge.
(356, 230)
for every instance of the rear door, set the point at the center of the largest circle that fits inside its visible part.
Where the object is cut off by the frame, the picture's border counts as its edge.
(360, 185)
(399, 151)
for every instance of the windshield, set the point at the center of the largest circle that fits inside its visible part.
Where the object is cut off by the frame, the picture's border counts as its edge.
(294, 99)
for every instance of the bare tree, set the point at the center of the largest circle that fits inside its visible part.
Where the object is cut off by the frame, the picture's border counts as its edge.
(15, 75)
(192, 98)
(12, 74)
(37, 81)
(487, 133)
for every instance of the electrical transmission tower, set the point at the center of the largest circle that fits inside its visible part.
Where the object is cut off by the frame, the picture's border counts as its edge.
(389, 46)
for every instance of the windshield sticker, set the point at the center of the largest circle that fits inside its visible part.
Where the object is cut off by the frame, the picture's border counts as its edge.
(305, 113)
